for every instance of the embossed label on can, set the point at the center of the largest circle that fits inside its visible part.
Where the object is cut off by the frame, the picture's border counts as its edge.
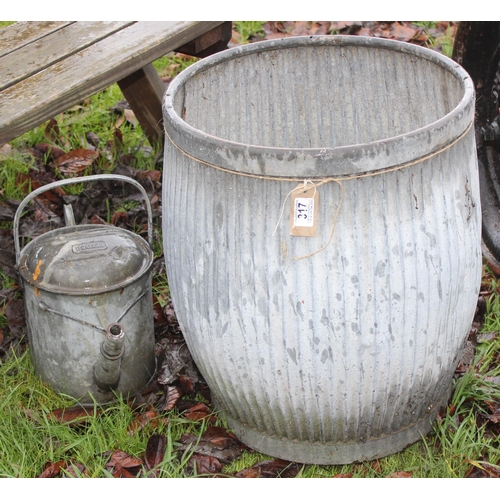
(90, 247)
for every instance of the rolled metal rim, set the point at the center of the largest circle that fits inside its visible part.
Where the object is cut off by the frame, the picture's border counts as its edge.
(346, 161)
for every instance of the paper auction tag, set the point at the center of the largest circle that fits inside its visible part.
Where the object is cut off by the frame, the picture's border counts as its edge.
(304, 211)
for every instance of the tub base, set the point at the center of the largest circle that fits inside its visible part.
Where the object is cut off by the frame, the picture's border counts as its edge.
(334, 453)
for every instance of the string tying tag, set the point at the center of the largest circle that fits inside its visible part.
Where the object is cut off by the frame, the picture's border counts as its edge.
(337, 180)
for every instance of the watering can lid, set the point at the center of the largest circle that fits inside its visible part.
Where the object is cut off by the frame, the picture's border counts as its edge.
(85, 259)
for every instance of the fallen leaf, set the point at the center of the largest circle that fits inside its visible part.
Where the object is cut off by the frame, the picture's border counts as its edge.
(216, 442)
(119, 122)
(121, 459)
(50, 150)
(198, 412)
(7, 251)
(121, 472)
(130, 117)
(155, 202)
(154, 175)
(155, 451)
(73, 414)
(403, 33)
(97, 220)
(119, 217)
(122, 464)
(158, 315)
(66, 415)
(76, 160)
(52, 130)
(376, 466)
(148, 417)
(483, 469)
(249, 473)
(187, 385)
(76, 470)
(172, 395)
(221, 437)
(14, 313)
(117, 137)
(204, 464)
(5, 150)
(272, 469)
(52, 469)
(92, 138)
(400, 474)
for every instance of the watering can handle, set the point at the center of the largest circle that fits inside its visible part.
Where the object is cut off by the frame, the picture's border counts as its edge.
(74, 180)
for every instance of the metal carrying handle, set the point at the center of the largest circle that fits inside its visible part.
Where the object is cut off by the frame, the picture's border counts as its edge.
(75, 180)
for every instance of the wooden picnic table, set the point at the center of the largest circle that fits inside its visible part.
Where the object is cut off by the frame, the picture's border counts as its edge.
(48, 67)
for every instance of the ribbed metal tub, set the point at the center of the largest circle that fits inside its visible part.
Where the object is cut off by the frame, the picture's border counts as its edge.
(338, 347)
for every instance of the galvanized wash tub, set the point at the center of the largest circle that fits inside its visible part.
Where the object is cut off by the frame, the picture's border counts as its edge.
(339, 346)
(89, 313)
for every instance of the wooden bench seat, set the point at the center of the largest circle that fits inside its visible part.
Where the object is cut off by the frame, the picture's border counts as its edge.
(48, 67)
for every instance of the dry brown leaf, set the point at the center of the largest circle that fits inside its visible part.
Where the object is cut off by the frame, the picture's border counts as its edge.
(158, 315)
(97, 220)
(172, 395)
(205, 464)
(221, 437)
(155, 451)
(119, 217)
(121, 459)
(271, 468)
(404, 33)
(130, 117)
(5, 150)
(155, 202)
(50, 150)
(121, 472)
(119, 122)
(76, 160)
(148, 417)
(400, 474)
(73, 414)
(200, 412)
(154, 175)
(52, 130)
(249, 473)
(187, 385)
(52, 469)
(76, 470)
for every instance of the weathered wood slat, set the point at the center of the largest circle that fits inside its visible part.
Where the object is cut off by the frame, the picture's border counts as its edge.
(53, 47)
(22, 33)
(55, 89)
(144, 91)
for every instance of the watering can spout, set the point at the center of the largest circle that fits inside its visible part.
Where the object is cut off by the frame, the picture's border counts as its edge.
(107, 367)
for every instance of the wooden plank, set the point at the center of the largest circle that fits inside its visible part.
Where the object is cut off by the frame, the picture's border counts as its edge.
(56, 46)
(53, 90)
(210, 42)
(144, 91)
(19, 34)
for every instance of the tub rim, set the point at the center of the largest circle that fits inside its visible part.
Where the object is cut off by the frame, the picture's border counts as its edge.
(341, 161)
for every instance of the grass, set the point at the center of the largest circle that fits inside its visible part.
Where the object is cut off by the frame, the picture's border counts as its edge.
(444, 42)
(248, 29)
(29, 437)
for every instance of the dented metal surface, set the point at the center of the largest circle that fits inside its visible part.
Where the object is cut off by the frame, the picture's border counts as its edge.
(78, 282)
